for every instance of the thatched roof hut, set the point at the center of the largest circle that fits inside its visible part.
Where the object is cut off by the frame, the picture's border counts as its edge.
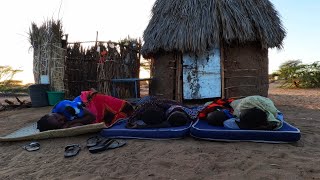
(238, 32)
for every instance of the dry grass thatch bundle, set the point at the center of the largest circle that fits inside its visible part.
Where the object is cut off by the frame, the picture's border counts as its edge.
(48, 55)
(197, 25)
(49, 32)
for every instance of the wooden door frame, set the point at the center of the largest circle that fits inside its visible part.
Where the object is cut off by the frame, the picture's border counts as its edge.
(179, 83)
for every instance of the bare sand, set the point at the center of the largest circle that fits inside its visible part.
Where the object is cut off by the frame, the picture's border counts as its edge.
(173, 159)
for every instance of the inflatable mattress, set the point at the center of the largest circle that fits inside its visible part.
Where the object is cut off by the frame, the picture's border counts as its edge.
(202, 130)
(119, 130)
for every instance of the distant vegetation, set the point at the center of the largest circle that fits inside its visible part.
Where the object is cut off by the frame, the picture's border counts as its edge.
(146, 64)
(7, 84)
(294, 73)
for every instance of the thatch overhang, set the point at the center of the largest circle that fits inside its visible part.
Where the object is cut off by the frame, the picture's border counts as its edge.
(198, 25)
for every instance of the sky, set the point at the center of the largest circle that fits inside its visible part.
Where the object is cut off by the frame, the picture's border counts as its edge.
(117, 19)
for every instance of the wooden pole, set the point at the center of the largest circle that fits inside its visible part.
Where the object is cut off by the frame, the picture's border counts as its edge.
(222, 60)
(178, 95)
(96, 44)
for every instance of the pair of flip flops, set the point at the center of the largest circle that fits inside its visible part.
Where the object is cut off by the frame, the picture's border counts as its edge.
(97, 144)
(70, 150)
(33, 146)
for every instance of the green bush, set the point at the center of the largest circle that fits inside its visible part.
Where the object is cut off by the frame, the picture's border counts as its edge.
(309, 76)
(296, 74)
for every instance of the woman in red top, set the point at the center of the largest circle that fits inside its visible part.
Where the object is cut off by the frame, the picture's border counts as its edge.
(106, 108)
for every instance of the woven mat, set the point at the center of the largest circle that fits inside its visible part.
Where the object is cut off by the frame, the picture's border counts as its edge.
(30, 132)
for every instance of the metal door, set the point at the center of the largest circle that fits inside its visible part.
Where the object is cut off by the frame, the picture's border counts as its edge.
(201, 75)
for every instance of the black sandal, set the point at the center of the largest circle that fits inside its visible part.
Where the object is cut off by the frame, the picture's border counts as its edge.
(71, 150)
(94, 140)
(107, 144)
(33, 146)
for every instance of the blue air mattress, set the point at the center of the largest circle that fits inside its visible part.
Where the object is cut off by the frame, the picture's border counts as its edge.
(120, 131)
(202, 130)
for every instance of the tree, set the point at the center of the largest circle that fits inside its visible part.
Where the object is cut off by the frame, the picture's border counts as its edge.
(6, 75)
(296, 74)
(309, 76)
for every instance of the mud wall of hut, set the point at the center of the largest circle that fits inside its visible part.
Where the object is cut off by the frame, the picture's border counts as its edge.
(245, 70)
(163, 71)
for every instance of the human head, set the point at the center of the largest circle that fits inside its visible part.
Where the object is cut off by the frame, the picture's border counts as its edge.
(216, 118)
(253, 118)
(152, 117)
(51, 121)
(178, 118)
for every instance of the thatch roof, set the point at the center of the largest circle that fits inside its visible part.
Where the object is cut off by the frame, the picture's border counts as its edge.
(196, 25)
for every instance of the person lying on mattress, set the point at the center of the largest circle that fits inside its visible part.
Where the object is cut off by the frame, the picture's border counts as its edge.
(152, 112)
(216, 112)
(90, 107)
(252, 112)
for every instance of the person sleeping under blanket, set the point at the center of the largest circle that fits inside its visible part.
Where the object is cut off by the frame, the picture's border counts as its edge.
(153, 112)
(90, 107)
(217, 111)
(252, 112)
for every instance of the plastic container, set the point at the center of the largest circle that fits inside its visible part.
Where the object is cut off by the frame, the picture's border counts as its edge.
(44, 79)
(38, 95)
(54, 97)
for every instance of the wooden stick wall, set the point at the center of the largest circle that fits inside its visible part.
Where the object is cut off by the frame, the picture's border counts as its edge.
(95, 66)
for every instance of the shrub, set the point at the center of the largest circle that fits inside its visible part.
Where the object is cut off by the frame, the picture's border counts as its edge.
(295, 74)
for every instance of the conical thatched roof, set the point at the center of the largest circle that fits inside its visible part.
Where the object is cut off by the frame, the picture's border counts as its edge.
(196, 25)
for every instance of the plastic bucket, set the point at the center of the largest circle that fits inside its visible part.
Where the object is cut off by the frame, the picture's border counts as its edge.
(54, 97)
(38, 95)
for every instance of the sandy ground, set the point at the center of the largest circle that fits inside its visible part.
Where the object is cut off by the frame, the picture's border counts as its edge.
(173, 159)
